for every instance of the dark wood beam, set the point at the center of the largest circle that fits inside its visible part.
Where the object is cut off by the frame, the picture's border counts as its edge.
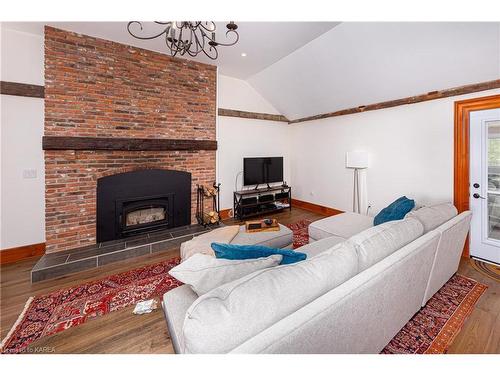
(461, 90)
(22, 89)
(125, 144)
(251, 115)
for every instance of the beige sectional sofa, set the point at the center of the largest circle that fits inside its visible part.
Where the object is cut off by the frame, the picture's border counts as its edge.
(350, 296)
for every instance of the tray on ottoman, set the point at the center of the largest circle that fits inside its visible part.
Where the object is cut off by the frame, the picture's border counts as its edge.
(261, 226)
(277, 239)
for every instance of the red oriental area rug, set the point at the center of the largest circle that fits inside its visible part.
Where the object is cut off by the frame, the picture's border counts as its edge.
(431, 330)
(55, 312)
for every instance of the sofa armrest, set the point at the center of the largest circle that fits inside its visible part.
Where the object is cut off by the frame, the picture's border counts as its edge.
(175, 304)
(453, 234)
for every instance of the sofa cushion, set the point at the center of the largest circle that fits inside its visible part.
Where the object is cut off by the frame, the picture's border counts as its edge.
(432, 217)
(317, 247)
(227, 316)
(395, 211)
(278, 239)
(343, 225)
(204, 272)
(374, 244)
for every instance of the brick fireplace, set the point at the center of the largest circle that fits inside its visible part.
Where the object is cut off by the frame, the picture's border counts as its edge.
(109, 109)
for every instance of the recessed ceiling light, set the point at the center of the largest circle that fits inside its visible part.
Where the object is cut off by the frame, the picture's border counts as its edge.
(243, 54)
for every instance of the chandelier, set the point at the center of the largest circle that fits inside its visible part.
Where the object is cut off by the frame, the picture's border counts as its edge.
(188, 37)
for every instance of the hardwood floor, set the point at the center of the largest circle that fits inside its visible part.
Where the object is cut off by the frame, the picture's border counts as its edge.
(123, 332)
(481, 332)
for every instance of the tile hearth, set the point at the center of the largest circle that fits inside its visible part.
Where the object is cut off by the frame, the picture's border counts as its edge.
(58, 264)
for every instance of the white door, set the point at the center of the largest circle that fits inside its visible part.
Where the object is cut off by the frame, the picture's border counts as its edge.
(485, 185)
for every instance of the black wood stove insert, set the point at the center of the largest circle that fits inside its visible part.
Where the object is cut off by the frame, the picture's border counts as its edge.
(142, 201)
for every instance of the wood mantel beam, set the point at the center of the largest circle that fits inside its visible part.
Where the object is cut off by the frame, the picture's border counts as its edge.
(125, 144)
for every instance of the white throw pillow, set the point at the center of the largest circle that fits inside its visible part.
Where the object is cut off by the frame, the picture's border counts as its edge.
(204, 272)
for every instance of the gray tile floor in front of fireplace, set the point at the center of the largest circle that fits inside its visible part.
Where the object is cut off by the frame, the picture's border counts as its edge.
(61, 263)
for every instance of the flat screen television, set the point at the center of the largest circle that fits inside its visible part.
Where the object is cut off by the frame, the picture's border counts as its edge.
(262, 170)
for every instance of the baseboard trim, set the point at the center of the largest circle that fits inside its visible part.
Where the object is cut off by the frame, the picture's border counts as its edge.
(16, 254)
(316, 208)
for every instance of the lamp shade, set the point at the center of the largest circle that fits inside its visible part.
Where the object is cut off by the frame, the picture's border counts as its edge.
(357, 159)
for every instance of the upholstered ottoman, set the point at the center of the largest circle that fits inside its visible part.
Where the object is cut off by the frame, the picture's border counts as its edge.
(238, 236)
(277, 239)
(344, 225)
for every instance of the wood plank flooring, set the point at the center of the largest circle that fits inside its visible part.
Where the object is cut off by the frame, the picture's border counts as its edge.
(123, 332)
(481, 332)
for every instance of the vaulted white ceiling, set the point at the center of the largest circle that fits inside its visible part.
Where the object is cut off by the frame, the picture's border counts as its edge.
(309, 68)
(264, 43)
(363, 63)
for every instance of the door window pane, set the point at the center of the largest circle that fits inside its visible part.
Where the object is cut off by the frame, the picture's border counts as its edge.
(494, 155)
(494, 216)
(494, 180)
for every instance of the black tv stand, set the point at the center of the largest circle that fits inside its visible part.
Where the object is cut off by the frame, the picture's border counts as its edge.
(255, 202)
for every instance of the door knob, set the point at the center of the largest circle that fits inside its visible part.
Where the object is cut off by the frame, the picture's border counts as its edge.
(476, 185)
(477, 196)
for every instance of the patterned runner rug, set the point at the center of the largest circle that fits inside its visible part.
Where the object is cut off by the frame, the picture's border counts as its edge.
(431, 330)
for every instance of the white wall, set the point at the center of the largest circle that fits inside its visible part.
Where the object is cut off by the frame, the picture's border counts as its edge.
(238, 138)
(22, 57)
(410, 146)
(22, 199)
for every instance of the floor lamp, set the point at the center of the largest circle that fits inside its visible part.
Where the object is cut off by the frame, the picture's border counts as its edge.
(356, 160)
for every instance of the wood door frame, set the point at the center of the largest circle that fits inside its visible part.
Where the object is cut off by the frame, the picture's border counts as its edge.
(463, 108)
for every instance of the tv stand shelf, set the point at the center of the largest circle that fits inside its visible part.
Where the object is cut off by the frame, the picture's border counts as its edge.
(254, 202)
